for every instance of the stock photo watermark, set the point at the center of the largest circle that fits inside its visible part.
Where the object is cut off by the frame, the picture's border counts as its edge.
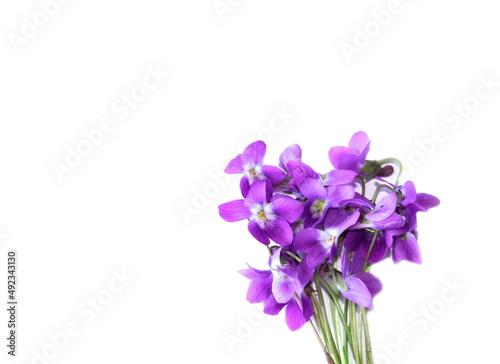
(244, 328)
(86, 312)
(202, 196)
(424, 317)
(31, 26)
(453, 118)
(365, 34)
(121, 109)
(222, 7)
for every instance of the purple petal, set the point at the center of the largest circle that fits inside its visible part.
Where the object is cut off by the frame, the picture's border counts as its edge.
(244, 186)
(409, 192)
(307, 307)
(257, 232)
(354, 239)
(285, 287)
(257, 195)
(345, 264)
(388, 238)
(279, 231)
(292, 153)
(234, 166)
(294, 316)
(359, 201)
(379, 250)
(337, 194)
(317, 255)
(424, 201)
(358, 262)
(274, 174)
(352, 162)
(357, 292)
(259, 290)
(312, 189)
(373, 284)
(411, 217)
(304, 273)
(234, 211)
(272, 307)
(392, 222)
(288, 208)
(406, 250)
(300, 171)
(306, 239)
(360, 143)
(254, 153)
(384, 208)
(252, 273)
(339, 177)
(340, 220)
(337, 153)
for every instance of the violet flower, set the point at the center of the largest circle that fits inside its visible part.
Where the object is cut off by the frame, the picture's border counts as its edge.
(280, 287)
(291, 153)
(321, 198)
(356, 285)
(250, 163)
(352, 157)
(270, 217)
(383, 215)
(322, 244)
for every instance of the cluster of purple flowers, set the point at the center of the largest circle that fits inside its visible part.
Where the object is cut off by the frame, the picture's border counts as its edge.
(323, 223)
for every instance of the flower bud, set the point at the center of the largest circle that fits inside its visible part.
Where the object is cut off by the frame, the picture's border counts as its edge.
(386, 171)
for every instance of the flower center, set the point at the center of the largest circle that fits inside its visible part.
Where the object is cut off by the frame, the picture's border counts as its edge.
(262, 215)
(318, 207)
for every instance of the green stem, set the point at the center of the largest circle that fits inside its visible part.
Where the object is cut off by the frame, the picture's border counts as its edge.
(326, 324)
(292, 255)
(368, 343)
(353, 326)
(370, 250)
(363, 184)
(377, 191)
(343, 317)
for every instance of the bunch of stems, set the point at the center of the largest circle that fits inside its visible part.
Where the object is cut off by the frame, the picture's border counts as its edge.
(341, 326)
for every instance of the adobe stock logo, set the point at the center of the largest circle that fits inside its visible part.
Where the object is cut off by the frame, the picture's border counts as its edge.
(244, 329)
(423, 318)
(364, 35)
(87, 312)
(31, 26)
(222, 7)
(122, 106)
(453, 118)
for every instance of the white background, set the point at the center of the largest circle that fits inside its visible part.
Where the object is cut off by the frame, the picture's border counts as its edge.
(120, 208)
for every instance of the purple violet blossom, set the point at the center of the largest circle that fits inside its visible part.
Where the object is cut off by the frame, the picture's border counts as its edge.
(281, 286)
(270, 217)
(322, 244)
(355, 285)
(250, 163)
(383, 215)
(352, 157)
(321, 198)
(291, 153)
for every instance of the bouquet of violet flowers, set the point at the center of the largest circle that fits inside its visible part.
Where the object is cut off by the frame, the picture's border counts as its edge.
(323, 233)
